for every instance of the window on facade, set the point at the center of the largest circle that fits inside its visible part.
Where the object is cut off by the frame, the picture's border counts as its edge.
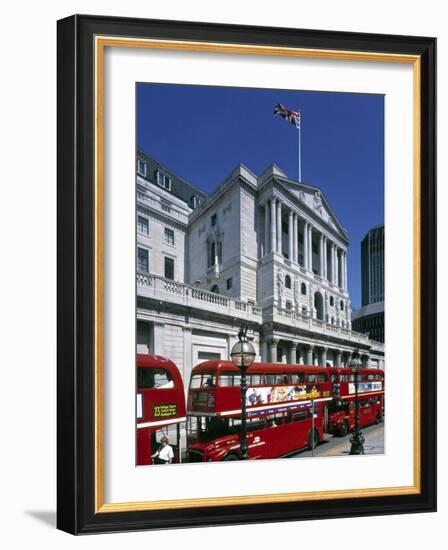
(287, 281)
(214, 219)
(341, 305)
(331, 301)
(169, 236)
(215, 289)
(288, 305)
(163, 180)
(195, 201)
(303, 289)
(142, 225)
(229, 283)
(142, 260)
(169, 268)
(141, 167)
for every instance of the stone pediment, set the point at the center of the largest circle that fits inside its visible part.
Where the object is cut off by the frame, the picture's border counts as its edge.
(314, 199)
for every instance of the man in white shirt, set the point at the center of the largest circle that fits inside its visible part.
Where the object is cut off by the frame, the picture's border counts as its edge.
(164, 455)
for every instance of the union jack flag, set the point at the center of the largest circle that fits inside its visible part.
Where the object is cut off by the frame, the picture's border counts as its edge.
(290, 116)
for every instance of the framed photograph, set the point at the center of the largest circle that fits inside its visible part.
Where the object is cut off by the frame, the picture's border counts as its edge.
(246, 274)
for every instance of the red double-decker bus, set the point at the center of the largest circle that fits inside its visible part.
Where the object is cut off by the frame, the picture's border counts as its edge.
(280, 402)
(341, 411)
(160, 406)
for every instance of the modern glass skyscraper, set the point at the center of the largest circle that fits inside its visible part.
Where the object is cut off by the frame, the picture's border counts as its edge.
(372, 266)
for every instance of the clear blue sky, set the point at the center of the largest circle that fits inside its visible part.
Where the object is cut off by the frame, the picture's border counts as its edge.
(202, 132)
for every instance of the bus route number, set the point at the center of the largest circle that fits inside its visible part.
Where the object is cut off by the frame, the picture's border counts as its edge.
(165, 411)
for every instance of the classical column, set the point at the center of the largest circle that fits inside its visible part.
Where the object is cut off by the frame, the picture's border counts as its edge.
(337, 264)
(290, 236)
(293, 354)
(309, 354)
(305, 245)
(321, 255)
(266, 228)
(279, 227)
(349, 358)
(345, 271)
(264, 351)
(324, 356)
(333, 261)
(273, 350)
(324, 259)
(273, 226)
(295, 239)
(299, 354)
(338, 357)
(310, 247)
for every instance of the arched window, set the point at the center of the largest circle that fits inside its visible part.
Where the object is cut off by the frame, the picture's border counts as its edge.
(287, 281)
(331, 301)
(303, 288)
(332, 320)
(215, 289)
(212, 254)
(341, 305)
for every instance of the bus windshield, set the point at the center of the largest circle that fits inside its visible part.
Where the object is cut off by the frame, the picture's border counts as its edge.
(154, 378)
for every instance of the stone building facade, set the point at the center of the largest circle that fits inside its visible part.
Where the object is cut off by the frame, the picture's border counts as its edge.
(264, 250)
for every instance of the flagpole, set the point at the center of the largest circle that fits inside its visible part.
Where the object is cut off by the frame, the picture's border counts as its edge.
(300, 151)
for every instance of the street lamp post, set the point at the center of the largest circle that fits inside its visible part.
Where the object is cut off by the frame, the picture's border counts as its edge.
(243, 355)
(357, 439)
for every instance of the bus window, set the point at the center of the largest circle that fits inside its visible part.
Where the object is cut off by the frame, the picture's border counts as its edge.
(277, 379)
(154, 378)
(254, 379)
(299, 416)
(298, 378)
(255, 424)
(316, 378)
(203, 380)
(344, 378)
(228, 379)
(334, 377)
(274, 420)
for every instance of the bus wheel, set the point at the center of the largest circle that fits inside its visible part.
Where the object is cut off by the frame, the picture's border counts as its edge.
(313, 442)
(231, 457)
(344, 430)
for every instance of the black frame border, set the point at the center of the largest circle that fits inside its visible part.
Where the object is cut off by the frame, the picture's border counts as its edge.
(76, 263)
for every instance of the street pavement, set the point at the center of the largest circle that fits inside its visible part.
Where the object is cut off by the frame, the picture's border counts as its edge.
(340, 446)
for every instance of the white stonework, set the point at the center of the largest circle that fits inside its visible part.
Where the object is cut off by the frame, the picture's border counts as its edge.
(263, 250)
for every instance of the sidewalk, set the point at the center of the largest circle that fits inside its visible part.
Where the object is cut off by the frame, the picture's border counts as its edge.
(373, 445)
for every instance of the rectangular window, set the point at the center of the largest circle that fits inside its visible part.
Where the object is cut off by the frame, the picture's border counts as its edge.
(277, 379)
(163, 180)
(229, 283)
(142, 225)
(169, 236)
(142, 260)
(288, 304)
(141, 167)
(298, 378)
(169, 268)
(214, 219)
